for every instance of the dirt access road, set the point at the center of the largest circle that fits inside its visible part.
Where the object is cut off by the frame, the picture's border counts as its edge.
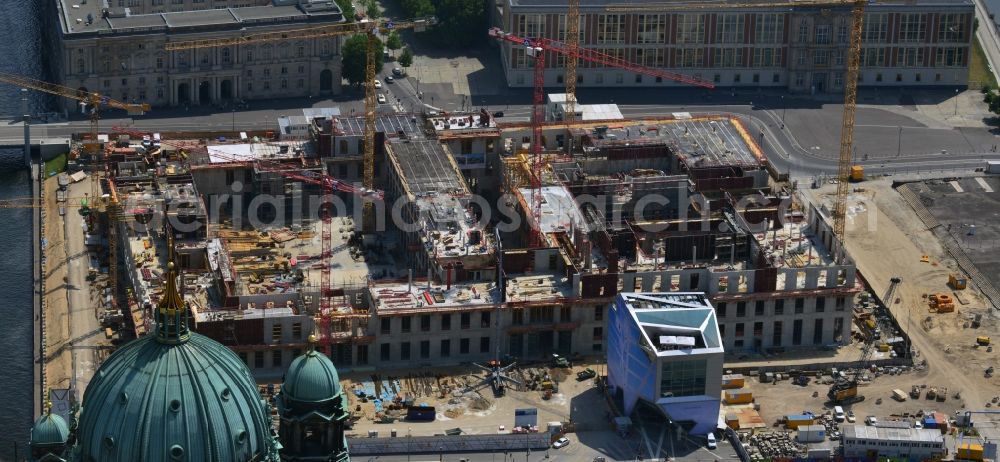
(886, 239)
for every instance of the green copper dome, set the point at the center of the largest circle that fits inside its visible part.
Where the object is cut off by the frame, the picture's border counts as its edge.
(174, 396)
(49, 429)
(311, 378)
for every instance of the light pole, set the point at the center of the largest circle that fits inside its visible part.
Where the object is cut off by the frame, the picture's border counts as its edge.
(783, 109)
(899, 141)
(234, 120)
(956, 101)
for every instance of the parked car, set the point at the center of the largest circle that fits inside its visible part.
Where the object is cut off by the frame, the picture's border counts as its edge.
(378, 84)
(871, 420)
(850, 417)
(711, 444)
(561, 443)
(498, 114)
(381, 98)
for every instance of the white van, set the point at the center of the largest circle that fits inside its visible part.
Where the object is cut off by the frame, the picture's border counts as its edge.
(838, 413)
(711, 441)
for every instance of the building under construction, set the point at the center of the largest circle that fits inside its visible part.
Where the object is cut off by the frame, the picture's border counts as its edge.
(448, 281)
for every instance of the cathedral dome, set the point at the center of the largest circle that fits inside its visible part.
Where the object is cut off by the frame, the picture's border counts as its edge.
(49, 429)
(311, 378)
(174, 396)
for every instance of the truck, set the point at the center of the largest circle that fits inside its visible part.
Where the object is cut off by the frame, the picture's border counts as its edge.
(898, 395)
(585, 374)
(992, 166)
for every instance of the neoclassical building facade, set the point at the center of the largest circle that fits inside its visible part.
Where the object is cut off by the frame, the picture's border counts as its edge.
(117, 48)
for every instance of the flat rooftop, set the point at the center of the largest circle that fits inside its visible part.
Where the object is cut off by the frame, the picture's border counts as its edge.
(390, 124)
(463, 122)
(419, 296)
(697, 142)
(426, 167)
(560, 212)
(249, 152)
(448, 228)
(675, 323)
(892, 434)
(79, 17)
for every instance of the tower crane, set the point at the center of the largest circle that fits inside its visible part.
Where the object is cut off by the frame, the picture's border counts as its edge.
(323, 180)
(371, 29)
(537, 48)
(850, 77)
(93, 100)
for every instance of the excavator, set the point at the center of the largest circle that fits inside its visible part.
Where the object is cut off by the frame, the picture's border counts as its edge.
(845, 390)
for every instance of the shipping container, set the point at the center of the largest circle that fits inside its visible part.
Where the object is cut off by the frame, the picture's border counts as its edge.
(739, 396)
(811, 434)
(733, 421)
(733, 381)
(819, 454)
(969, 451)
(421, 413)
(795, 421)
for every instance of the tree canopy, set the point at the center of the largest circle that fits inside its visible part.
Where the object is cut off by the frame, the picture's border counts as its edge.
(406, 59)
(394, 42)
(354, 57)
(460, 22)
(348, 8)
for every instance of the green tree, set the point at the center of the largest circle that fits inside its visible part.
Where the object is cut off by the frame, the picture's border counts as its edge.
(371, 8)
(417, 8)
(348, 8)
(461, 22)
(406, 59)
(394, 42)
(354, 55)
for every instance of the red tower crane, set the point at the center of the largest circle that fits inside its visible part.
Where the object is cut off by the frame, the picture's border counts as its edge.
(536, 48)
(329, 185)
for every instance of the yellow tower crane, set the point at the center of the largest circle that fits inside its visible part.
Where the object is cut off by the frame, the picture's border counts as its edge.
(850, 78)
(371, 29)
(94, 101)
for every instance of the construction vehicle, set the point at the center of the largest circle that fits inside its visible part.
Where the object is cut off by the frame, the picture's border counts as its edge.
(845, 390)
(585, 374)
(559, 361)
(915, 392)
(983, 340)
(857, 173)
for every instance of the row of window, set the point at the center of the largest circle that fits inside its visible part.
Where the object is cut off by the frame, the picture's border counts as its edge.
(533, 315)
(893, 444)
(777, 332)
(731, 28)
(424, 346)
(759, 307)
(734, 57)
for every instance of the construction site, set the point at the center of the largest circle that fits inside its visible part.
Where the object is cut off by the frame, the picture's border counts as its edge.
(438, 256)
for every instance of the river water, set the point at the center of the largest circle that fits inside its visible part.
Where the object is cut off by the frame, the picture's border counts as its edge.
(22, 52)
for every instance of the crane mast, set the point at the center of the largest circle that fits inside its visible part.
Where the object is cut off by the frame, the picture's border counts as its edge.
(572, 41)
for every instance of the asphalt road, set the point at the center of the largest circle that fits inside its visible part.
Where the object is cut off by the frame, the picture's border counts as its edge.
(800, 135)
